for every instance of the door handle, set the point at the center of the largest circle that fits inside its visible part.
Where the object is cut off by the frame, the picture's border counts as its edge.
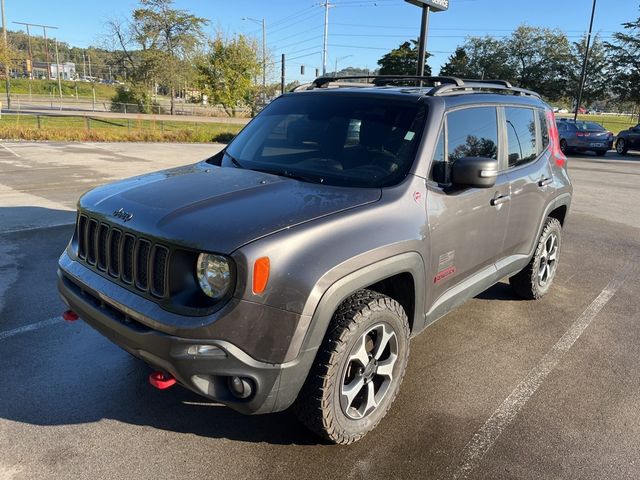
(545, 181)
(500, 200)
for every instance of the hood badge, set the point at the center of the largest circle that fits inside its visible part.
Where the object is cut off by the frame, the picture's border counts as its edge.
(125, 216)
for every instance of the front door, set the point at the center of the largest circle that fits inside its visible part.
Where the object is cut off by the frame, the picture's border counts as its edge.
(467, 226)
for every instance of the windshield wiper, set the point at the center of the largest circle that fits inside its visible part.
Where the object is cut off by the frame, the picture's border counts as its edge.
(234, 160)
(293, 175)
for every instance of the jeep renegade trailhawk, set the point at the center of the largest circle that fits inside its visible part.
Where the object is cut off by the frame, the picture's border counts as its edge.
(292, 268)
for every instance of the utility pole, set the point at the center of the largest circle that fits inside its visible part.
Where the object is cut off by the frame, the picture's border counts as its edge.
(84, 66)
(264, 50)
(282, 76)
(584, 63)
(6, 58)
(326, 6)
(58, 73)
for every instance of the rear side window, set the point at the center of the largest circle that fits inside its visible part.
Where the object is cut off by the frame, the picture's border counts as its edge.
(521, 135)
(544, 130)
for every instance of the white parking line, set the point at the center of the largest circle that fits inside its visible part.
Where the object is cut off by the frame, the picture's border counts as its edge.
(484, 438)
(9, 150)
(29, 328)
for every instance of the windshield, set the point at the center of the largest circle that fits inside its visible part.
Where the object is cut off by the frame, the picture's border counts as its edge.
(332, 138)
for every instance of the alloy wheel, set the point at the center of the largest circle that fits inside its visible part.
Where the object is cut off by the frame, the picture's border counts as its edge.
(548, 260)
(368, 373)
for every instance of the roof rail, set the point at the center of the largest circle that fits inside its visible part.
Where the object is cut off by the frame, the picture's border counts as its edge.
(440, 85)
(379, 80)
(482, 85)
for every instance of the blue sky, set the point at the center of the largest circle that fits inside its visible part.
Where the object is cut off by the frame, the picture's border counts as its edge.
(360, 31)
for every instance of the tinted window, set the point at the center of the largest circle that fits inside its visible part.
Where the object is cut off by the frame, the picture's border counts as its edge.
(544, 130)
(332, 138)
(439, 171)
(472, 132)
(521, 135)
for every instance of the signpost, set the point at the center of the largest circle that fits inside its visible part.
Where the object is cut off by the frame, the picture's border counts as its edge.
(427, 6)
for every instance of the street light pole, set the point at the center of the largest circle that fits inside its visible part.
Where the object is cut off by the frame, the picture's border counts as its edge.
(584, 63)
(264, 49)
(6, 56)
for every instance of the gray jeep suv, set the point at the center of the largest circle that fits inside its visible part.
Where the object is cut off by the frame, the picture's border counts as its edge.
(292, 268)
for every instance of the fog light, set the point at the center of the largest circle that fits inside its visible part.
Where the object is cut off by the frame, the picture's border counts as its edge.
(240, 387)
(210, 351)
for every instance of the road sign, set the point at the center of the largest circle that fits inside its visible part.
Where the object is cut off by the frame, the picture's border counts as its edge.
(435, 5)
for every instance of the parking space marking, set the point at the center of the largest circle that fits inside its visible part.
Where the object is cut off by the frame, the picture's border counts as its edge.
(487, 435)
(29, 328)
(9, 150)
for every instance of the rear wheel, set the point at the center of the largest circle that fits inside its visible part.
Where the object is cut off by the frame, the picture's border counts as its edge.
(601, 153)
(358, 370)
(534, 280)
(621, 146)
(564, 147)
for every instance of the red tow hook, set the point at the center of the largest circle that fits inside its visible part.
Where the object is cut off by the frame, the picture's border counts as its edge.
(161, 380)
(70, 316)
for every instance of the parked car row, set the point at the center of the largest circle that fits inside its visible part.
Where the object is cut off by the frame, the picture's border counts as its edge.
(582, 136)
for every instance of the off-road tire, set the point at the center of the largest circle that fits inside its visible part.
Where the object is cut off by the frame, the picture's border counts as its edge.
(621, 146)
(526, 283)
(318, 404)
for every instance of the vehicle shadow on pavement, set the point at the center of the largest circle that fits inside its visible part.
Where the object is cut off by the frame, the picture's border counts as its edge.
(500, 291)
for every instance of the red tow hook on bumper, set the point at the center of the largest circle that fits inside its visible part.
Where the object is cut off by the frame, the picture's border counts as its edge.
(161, 380)
(70, 316)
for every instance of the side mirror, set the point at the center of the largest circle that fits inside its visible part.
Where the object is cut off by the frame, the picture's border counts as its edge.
(477, 172)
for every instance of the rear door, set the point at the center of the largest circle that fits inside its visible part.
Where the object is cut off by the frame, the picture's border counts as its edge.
(634, 137)
(466, 225)
(530, 173)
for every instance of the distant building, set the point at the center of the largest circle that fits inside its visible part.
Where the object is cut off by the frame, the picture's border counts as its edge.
(67, 70)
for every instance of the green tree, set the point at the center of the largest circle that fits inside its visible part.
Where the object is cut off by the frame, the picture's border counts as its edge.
(158, 44)
(624, 56)
(540, 59)
(457, 65)
(227, 70)
(402, 60)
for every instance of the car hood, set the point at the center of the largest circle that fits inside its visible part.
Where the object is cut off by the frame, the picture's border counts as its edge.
(217, 209)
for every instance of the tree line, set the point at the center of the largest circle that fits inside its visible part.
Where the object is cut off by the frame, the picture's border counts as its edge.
(546, 61)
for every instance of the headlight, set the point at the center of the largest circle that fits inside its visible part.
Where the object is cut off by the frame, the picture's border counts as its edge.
(214, 275)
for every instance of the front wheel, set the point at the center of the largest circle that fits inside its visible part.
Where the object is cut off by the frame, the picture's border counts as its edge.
(358, 370)
(621, 146)
(535, 280)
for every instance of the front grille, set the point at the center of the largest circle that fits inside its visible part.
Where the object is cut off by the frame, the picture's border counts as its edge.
(134, 261)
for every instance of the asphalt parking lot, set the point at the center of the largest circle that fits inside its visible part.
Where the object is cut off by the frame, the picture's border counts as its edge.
(500, 388)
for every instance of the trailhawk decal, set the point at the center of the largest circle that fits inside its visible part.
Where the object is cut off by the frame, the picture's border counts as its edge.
(446, 268)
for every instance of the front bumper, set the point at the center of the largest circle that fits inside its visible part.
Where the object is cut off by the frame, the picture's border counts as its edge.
(276, 385)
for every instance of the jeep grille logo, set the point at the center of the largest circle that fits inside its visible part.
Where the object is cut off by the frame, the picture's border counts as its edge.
(125, 216)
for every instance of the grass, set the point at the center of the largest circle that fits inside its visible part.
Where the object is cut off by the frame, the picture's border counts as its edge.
(92, 129)
(20, 86)
(612, 123)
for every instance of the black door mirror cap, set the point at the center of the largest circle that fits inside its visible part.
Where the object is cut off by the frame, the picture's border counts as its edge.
(477, 172)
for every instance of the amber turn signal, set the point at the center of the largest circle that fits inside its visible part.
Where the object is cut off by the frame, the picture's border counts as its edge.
(260, 274)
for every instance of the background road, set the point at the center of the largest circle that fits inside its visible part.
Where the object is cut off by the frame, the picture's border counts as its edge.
(496, 389)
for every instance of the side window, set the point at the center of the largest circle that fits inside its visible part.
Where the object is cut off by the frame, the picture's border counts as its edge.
(440, 173)
(521, 135)
(471, 132)
(544, 130)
